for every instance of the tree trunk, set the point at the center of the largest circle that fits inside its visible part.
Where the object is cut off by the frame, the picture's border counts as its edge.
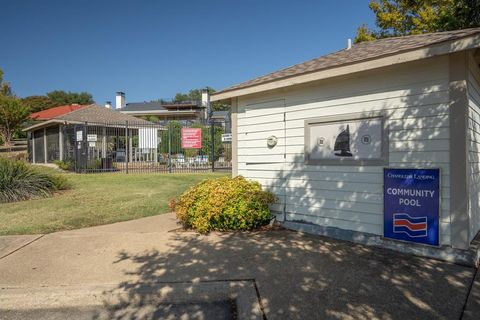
(6, 136)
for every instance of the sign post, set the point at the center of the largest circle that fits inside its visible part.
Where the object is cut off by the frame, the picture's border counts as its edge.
(411, 205)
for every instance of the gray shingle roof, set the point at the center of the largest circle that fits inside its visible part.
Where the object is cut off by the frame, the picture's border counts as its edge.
(99, 114)
(359, 52)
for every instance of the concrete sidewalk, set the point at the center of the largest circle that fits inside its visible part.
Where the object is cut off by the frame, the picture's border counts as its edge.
(472, 308)
(122, 267)
(10, 244)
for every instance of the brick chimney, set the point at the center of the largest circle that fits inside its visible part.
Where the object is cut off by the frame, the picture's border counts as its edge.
(120, 100)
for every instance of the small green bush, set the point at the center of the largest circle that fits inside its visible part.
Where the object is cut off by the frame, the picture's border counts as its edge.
(20, 181)
(94, 164)
(60, 182)
(65, 164)
(224, 204)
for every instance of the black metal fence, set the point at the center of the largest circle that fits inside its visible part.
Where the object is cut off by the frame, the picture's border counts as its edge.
(174, 146)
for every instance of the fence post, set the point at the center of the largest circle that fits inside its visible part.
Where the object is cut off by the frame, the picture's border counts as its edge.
(126, 147)
(169, 128)
(75, 147)
(212, 125)
(85, 147)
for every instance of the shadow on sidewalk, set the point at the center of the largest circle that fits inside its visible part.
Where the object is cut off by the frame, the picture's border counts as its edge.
(297, 277)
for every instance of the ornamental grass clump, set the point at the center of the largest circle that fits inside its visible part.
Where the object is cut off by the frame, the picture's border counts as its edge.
(224, 204)
(20, 181)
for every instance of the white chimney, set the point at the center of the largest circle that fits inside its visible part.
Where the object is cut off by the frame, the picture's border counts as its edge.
(108, 104)
(120, 100)
(349, 44)
(206, 102)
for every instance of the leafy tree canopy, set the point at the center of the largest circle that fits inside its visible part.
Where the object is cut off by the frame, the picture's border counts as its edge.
(60, 97)
(12, 114)
(57, 98)
(38, 103)
(196, 95)
(5, 88)
(405, 17)
(192, 95)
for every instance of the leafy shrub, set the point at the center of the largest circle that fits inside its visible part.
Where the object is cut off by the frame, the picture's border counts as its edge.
(20, 181)
(60, 182)
(65, 164)
(224, 204)
(94, 164)
(191, 153)
(15, 155)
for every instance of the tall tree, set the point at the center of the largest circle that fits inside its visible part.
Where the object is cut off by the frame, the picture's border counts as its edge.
(5, 88)
(192, 95)
(12, 114)
(196, 95)
(405, 17)
(38, 103)
(465, 14)
(60, 97)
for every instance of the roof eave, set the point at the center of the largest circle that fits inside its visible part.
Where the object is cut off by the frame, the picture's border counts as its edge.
(42, 124)
(437, 49)
(189, 112)
(141, 112)
(109, 125)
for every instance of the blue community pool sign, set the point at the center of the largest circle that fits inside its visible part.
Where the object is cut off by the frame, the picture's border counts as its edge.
(411, 205)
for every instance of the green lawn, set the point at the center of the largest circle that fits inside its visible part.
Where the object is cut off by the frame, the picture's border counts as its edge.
(96, 199)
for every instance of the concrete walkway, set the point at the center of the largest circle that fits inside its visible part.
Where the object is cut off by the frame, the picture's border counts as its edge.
(139, 268)
(472, 308)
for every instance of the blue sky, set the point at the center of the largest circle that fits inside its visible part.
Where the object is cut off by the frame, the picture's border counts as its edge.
(153, 49)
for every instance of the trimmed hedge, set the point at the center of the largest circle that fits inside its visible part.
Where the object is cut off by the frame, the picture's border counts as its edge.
(224, 204)
(20, 181)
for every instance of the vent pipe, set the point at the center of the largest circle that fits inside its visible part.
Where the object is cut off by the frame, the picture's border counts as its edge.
(349, 44)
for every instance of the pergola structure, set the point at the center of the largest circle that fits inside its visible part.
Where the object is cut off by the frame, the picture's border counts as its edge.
(93, 137)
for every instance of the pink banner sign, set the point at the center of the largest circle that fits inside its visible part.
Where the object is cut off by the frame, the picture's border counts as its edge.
(191, 138)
